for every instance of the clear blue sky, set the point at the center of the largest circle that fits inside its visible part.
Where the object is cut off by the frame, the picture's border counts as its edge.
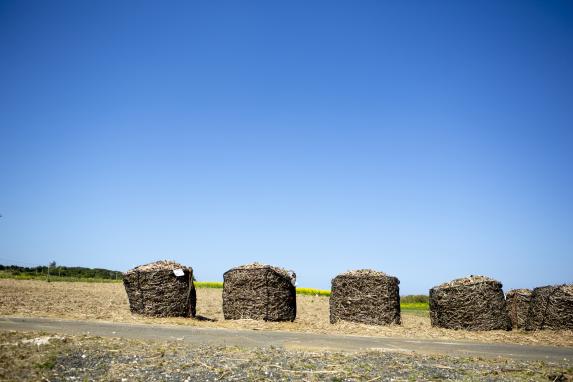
(429, 140)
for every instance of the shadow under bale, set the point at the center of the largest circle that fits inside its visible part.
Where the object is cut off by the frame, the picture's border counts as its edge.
(259, 292)
(471, 303)
(517, 301)
(162, 289)
(551, 307)
(365, 296)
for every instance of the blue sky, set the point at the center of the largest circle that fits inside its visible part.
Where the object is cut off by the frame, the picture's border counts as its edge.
(429, 140)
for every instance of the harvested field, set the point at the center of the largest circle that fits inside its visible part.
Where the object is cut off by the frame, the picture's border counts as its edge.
(108, 302)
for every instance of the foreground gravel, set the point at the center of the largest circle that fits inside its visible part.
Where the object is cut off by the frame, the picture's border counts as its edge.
(38, 356)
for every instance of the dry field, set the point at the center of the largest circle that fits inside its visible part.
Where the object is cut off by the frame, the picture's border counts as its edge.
(108, 302)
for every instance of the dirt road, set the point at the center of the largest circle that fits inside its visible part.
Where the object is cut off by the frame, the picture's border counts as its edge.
(287, 340)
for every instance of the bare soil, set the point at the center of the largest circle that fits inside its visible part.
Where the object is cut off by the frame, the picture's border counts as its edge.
(108, 302)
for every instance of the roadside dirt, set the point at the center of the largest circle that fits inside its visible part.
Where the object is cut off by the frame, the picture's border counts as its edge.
(39, 356)
(108, 302)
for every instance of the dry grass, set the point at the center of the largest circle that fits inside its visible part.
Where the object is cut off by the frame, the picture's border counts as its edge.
(95, 301)
(35, 356)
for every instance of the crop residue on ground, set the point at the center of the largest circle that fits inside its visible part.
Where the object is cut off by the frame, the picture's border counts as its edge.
(96, 358)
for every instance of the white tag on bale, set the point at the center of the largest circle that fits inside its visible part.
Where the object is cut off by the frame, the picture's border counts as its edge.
(292, 276)
(178, 272)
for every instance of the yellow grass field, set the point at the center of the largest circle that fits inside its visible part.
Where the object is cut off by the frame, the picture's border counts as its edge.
(108, 301)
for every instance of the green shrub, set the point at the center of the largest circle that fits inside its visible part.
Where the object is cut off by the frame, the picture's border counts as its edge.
(412, 299)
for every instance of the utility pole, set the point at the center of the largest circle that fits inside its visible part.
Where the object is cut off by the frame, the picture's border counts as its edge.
(50, 264)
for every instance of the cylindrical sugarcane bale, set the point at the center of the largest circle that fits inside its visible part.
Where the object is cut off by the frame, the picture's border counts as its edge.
(259, 292)
(551, 307)
(470, 303)
(365, 296)
(163, 288)
(517, 301)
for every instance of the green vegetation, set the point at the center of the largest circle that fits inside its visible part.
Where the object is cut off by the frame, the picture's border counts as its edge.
(420, 306)
(208, 284)
(48, 363)
(8, 275)
(59, 273)
(414, 298)
(415, 303)
(313, 292)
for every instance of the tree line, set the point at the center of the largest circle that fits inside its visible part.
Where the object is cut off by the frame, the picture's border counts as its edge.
(62, 271)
